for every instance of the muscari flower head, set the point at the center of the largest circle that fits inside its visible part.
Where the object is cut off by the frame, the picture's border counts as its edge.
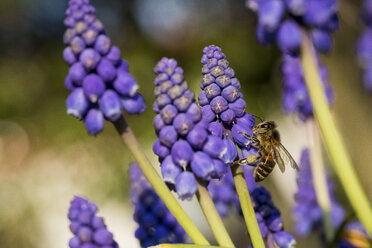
(224, 196)
(156, 223)
(307, 212)
(89, 229)
(223, 106)
(284, 22)
(281, 21)
(185, 146)
(364, 45)
(295, 98)
(99, 80)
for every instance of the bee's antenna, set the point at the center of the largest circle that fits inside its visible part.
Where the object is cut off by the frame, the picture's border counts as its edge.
(258, 117)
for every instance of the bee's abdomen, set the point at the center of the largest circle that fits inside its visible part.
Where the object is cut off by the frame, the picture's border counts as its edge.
(263, 169)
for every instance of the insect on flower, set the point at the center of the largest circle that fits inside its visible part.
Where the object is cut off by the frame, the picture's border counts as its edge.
(270, 150)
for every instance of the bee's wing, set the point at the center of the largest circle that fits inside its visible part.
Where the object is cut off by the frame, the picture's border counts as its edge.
(285, 156)
(278, 158)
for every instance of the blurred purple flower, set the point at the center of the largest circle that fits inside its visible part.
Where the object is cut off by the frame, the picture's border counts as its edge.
(224, 196)
(307, 212)
(284, 20)
(295, 96)
(99, 80)
(156, 224)
(364, 45)
(89, 229)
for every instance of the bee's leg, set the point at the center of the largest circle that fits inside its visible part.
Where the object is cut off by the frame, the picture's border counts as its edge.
(255, 142)
(247, 135)
(251, 159)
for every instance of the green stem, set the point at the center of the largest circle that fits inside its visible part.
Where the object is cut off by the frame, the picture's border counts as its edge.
(332, 138)
(159, 186)
(320, 178)
(247, 207)
(212, 216)
(185, 246)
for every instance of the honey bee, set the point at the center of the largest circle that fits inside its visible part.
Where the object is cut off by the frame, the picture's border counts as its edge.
(270, 150)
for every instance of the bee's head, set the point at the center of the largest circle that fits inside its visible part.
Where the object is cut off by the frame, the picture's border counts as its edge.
(263, 127)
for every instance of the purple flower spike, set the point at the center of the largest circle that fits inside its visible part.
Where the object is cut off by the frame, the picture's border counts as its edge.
(307, 212)
(286, 20)
(181, 126)
(226, 100)
(155, 223)
(268, 216)
(94, 67)
(295, 96)
(88, 234)
(364, 45)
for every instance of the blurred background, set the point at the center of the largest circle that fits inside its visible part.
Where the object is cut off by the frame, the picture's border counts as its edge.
(47, 157)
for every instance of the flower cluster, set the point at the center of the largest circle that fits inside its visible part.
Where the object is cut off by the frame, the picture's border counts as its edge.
(307, 211)
(156, 224)
(281, 21)
(295, 98)
(364, 46)
(185, 146)
(268, 216)
(354, 235)
(90, 230)
(99, 79)
(223, 106)
(224, 194)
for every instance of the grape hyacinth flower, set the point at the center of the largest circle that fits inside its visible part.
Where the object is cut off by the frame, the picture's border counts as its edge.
(295, 96)
(364, 45)
(185, 146)
(89, 229)
(285, 22)
(99, 80)
(307, 212)
(281, 21)
(223, 106)
(156, 223)
(224, 196)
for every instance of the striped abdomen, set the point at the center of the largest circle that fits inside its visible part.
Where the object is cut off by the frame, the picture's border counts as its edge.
(264, 168)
